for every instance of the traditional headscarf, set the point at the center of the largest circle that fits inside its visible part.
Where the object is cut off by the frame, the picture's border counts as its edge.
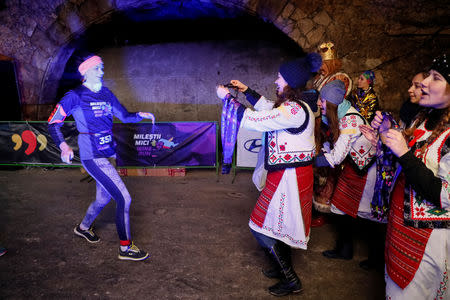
(370, 76)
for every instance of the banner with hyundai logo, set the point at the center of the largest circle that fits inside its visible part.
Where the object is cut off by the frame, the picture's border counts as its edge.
(247, 147)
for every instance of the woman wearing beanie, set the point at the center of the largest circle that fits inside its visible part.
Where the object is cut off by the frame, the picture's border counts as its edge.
(364, 98)
(417, 249)
(344, 147)
(93, 105)
(282, 215)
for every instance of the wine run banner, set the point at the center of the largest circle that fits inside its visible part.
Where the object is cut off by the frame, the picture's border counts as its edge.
(138, 144)
(166, 144)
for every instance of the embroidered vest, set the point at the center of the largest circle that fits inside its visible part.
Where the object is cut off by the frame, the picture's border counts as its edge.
(362, 152)
(418, 212)
(411, 220)
(291, 147)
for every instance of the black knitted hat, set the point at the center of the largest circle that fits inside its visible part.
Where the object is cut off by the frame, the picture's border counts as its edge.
(297, 72)
(441, 65)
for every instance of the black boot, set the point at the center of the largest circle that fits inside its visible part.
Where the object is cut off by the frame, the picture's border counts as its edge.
(275, 270)
(291, 283)
(343, 250)
(375, 240)
(344, 244)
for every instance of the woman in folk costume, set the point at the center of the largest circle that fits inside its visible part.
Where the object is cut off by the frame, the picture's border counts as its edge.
(282, 215)
(418, 233)
(342, 143)
(364, 98)
(325, 178)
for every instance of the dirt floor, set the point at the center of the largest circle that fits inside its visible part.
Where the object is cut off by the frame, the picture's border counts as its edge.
(195, 228)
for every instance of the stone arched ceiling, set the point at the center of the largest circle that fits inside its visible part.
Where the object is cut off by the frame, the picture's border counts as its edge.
(393, 37)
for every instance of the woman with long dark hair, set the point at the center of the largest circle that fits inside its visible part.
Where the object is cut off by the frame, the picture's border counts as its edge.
(282, 215)
(418, 234)
(344, 148)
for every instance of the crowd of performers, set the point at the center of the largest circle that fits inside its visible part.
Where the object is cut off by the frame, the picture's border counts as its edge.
(331, 147)
(324, 145)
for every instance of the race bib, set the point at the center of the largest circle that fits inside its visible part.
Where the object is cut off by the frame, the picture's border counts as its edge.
(103, 141)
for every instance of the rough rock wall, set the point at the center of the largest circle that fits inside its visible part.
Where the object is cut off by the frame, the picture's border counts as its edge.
(176, 81)
(395, 38)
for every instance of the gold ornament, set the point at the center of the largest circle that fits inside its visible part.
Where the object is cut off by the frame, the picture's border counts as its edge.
(327, 51)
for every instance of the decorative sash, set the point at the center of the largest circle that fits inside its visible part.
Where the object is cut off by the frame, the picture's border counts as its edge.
(229, 130)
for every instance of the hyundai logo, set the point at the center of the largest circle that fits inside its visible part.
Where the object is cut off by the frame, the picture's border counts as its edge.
(252, 145)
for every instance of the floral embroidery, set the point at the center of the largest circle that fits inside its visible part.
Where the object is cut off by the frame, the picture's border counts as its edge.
(261, 119)
(349, 121)
(443, 288)
(283, 154)
(287, 157)
(281, 213)
(297, 242)
(417, 209)
(420, 211)
(295, 108)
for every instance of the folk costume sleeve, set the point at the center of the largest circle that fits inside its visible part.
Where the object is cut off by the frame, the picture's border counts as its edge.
(264, 104)
(287, 115)
(349, 132)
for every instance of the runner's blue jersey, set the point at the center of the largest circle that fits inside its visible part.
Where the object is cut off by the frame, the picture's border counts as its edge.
(93, 114)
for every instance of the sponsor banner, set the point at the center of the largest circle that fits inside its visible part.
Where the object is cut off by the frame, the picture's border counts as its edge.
(138, 144)
(166, 144)
(30, 143)
(247, 147)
